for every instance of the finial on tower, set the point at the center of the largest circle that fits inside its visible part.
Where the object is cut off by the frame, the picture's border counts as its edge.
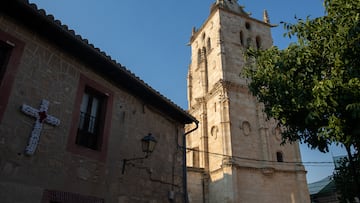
(266, 17)
(193, 31)
(223, 2)
(231, 5)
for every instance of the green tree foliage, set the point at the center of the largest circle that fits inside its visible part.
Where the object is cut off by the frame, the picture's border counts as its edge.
(313, 86)
(345, 180)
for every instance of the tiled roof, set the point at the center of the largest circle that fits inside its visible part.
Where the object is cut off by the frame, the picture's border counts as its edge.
(49, 27)
(323, 186)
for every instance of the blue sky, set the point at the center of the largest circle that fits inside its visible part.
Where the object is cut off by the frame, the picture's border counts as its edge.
(150, 38)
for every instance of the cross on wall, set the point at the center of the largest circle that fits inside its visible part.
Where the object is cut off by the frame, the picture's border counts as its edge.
(41, 116)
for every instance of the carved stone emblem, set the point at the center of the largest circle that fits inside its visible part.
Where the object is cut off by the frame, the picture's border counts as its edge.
(246, 127)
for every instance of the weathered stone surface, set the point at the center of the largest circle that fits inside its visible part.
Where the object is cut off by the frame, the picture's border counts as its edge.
(22, 193)
(238, 146)
(46, 72)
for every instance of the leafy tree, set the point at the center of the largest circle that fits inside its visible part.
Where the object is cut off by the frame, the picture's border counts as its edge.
(344, 179)
(313, 86)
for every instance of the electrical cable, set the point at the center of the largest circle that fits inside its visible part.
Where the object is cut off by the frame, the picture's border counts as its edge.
(307, 163)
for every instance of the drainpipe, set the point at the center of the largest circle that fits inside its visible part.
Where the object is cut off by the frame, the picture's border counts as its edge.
(186, 198)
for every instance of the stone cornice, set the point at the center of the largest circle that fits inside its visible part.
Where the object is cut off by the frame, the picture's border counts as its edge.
(266, 169)
(198, 170)
(235, 86)
(224, 86)
(220, 87)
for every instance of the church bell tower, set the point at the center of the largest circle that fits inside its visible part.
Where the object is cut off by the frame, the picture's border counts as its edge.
(235, 155)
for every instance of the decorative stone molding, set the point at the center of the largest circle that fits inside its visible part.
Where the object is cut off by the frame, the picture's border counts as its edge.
(246, 127)
(214, 132)
(268, 171)
(277, 132)
(200, 100)
(228, 162)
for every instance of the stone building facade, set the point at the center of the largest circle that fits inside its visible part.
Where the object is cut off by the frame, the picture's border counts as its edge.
(235, 155)
(90, 113)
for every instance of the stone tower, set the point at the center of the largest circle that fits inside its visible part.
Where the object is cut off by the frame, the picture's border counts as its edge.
(235, 155)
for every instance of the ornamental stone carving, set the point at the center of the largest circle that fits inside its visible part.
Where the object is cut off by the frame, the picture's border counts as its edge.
(246, 127)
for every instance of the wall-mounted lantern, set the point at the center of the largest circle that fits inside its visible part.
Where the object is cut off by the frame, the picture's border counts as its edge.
(148, 144)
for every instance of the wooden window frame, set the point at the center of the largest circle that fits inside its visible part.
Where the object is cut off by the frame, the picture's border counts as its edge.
(92, 122)
(100, 153)
(8, 77)
(6, 48)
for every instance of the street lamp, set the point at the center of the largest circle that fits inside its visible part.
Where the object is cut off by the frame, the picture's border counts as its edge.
(148, 144)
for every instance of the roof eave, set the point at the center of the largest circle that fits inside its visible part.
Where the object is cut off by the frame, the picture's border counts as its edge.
(54, 31)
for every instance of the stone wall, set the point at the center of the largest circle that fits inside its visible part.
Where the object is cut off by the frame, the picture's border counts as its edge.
(196, 183)
(46, 72)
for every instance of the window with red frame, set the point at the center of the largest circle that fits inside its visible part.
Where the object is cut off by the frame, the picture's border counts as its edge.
(11, 50)
(5, 51)
(91, 121)
(91, 117)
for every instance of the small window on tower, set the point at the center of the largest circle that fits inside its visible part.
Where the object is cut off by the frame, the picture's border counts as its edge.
(279, 157)
(199, 56)
(247, 26)
(241, 38)
(209, 44)
(258, 42)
